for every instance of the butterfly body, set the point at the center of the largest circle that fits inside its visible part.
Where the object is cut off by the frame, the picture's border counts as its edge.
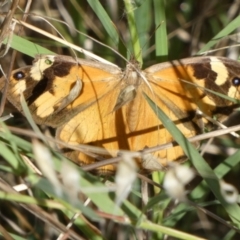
(101, 105)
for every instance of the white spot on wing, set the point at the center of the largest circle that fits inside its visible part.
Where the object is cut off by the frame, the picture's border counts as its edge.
(20, 87)
(219, 67)
(232, 92)
(39, 66)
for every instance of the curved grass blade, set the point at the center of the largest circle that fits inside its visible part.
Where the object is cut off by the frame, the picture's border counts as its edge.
(199, 163)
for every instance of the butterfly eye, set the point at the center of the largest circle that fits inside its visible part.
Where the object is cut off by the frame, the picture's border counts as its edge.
(236, 81)
(19, 75)
(48, 62)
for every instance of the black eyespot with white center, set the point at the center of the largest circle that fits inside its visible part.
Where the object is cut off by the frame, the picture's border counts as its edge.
(19, 75)
(236, 81)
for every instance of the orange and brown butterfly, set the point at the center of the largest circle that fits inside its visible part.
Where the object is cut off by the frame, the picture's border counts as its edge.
(99, 104)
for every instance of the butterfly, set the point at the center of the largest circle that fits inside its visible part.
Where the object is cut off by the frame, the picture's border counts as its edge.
(98, 104)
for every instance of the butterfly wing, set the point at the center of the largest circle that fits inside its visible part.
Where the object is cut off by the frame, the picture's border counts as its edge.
(53, 87)
(182, 87)
(198, 83)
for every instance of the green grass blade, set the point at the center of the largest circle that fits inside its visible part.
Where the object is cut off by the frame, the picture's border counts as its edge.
(29, 48)
(233, 25)
(105, 20)
(161, 39)
(133, 31)
(199, 163)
